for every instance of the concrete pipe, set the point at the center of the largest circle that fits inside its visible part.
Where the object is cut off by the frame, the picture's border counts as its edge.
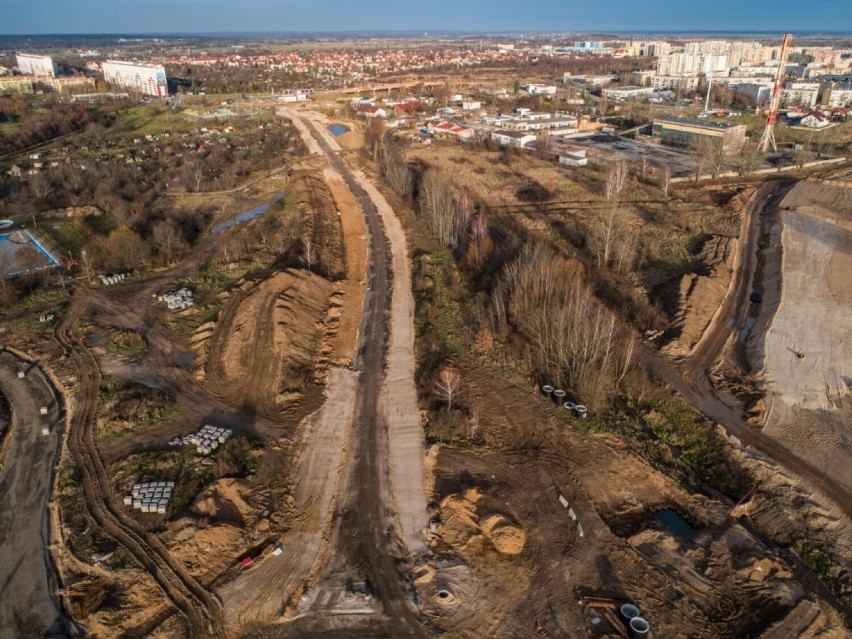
(629, 611)
(581, 411)
(547, 389)
(559, 395)
(570, 406)
(639, 627)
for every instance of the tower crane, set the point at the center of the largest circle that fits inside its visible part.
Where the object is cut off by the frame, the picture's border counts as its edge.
(768, 137)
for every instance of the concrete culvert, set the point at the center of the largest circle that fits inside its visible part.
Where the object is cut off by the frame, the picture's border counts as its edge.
(570, 406)
(629, 611)
(547, 389)
(581, 411)
(559, 394)
(639, 627)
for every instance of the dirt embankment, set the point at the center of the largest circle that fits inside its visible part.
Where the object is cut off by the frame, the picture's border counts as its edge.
(266, 340)
(351, 290)
(694, 297)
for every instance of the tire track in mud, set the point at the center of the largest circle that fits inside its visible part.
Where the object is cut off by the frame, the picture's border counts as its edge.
(200, 610)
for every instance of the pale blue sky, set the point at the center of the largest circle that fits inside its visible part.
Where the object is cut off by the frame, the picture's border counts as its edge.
(186, 16)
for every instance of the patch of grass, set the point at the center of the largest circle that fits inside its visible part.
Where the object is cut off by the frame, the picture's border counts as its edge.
(103, 223)
(126, 407)
(66, 236)
(441, 297)
(126, 344)
(832, 575)
(185, 326)
(152, 119)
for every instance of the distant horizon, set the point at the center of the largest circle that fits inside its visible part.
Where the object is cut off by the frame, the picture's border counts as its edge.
(207, 17)
(425, 33)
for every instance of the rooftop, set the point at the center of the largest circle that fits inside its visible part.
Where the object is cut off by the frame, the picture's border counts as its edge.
(705, 124)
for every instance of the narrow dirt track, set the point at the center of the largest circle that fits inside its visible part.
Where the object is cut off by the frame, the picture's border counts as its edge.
(200, 610)
(689, 376)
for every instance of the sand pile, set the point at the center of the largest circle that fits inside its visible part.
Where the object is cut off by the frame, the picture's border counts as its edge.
(469, 527)
(224, 500)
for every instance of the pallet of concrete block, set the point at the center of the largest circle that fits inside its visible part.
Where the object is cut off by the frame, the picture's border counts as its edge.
(177, 300)
(209, 438)
(150, 497)
(108, 280)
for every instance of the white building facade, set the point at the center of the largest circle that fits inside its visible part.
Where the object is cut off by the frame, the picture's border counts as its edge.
(149, 79)
(35, 64)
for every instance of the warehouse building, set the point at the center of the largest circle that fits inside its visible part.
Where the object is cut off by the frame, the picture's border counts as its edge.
(148, 79)
(35, 64)
(678, 131)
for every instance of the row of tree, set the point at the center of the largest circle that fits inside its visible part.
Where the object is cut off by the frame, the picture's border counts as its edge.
(533, 291)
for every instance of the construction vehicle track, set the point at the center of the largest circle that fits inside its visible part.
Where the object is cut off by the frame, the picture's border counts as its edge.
(201, 611)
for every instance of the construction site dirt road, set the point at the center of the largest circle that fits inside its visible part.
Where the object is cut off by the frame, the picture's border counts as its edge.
(28, 600)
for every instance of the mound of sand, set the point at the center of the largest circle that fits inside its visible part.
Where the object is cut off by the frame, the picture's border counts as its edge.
(467, 526)
(224, 500)
(507, 538)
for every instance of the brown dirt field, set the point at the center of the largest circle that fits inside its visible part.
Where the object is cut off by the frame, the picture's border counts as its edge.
(270, 335)
(355, 259)
(708, 585)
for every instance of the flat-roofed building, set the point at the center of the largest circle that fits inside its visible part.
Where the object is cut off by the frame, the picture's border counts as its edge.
(148, 79)
(678, 131)
(35, 64)
(517, 139)
(628, 92)
(16, 84)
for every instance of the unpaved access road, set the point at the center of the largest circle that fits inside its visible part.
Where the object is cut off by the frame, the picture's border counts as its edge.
(28, 602)
(367, 527)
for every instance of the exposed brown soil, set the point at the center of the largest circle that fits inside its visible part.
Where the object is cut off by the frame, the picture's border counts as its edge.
(695, 296)
(266, 339)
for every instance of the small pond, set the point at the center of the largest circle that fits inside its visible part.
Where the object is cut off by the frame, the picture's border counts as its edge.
(338, 129)
(674, 522)
(245, 216)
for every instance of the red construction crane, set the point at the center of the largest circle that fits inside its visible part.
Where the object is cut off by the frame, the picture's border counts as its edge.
(768, 136)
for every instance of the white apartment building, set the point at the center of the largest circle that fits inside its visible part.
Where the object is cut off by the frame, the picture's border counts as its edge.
(679, 64)
(148, 79)
(800, 94)
(840, 96)
(35, 64)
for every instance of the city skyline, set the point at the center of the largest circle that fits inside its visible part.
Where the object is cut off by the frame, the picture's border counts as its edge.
(216, 16)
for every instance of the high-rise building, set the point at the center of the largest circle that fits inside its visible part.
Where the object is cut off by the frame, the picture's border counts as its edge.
(149, 79)
(35, 64)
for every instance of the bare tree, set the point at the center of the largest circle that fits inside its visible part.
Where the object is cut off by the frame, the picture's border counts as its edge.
(573, 339)
(608, 229)
(309, 253)
(168, 240)
(448, 384)
(666, 180)
(446, 216)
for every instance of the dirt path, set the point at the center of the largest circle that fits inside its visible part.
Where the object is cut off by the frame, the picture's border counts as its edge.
(276, 583)
(260, 593)
(355, 259)
(365, 528)
(28, 603)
